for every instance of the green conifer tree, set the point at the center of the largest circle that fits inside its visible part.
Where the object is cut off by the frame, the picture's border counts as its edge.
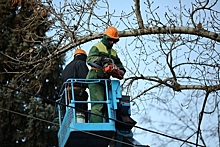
(23, 41)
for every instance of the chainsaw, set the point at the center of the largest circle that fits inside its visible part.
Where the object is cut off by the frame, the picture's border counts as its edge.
(110, 69)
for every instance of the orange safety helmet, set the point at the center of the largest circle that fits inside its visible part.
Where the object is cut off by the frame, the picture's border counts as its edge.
(112, 32)
(79, 51)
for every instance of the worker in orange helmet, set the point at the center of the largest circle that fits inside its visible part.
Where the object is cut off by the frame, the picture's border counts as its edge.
(78, 69)
(99, 54)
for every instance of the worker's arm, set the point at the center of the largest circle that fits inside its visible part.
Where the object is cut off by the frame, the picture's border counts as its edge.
(119, 64)
(93, 55)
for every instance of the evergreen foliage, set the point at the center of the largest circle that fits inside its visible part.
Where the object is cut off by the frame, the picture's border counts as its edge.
(23, 41)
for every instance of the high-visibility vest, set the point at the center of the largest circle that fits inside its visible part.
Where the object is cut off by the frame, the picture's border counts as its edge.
(102, 49)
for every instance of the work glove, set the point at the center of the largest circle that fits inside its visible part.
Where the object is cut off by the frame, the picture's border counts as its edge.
(104, 60)
(121, 72)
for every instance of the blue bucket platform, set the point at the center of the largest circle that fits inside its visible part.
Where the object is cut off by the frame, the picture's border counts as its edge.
(73, 134)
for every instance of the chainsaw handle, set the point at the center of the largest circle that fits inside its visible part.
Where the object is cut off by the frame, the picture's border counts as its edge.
(92, 64)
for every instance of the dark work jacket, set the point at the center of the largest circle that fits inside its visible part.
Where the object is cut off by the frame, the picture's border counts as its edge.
(75, 69)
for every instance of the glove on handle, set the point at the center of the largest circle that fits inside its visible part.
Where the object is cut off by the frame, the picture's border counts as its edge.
(121, 72)
(104, 60)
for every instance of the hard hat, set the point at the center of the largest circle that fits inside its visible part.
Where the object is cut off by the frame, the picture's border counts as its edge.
(80, 51)
(112, 32)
